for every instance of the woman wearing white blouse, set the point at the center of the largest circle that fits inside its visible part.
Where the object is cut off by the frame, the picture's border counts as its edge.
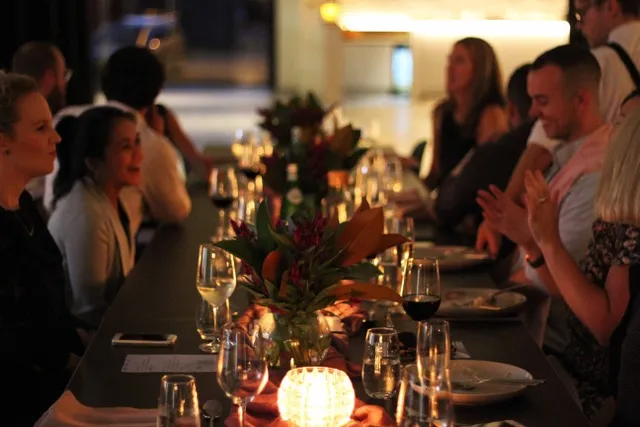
(92, 224)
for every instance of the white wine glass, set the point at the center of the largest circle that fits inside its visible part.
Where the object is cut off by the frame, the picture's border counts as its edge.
(242, 368)
(216, 275)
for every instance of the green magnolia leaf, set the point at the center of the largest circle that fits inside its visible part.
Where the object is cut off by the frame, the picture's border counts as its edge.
(243, 249)
(361, 272)
(313, 101)
(353, 159)
(272, 289)
(263, 228)
(282, 239)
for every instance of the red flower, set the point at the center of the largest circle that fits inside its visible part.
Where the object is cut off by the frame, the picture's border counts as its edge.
(241, 230)
(295, 275)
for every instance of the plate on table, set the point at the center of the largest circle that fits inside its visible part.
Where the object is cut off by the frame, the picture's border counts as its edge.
(451, 258)
(475, 302)
(468, 371)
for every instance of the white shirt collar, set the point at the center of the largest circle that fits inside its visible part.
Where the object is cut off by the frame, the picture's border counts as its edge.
(626, 33)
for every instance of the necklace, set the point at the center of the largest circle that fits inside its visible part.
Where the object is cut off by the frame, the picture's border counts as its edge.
(24, 225)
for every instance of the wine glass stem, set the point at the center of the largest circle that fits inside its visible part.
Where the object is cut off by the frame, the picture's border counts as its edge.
(241, 410)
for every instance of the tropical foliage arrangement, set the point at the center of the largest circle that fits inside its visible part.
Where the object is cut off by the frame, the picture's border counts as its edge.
(315, 151)
(310, 262)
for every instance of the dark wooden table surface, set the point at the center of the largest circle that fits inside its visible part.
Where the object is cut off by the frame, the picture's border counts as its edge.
(160, 297)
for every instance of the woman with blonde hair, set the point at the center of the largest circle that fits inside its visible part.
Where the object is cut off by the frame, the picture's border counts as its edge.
(602, 356)
(472, 113)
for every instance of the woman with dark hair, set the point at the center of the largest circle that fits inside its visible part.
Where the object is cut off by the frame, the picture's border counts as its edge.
(93, 225)
(39, 344)
(471, 114)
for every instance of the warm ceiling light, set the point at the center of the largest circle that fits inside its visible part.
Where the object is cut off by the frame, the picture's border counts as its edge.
(330, 11)
(316, 396)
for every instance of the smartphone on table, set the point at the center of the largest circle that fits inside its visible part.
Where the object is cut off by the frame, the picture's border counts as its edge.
(144, 340)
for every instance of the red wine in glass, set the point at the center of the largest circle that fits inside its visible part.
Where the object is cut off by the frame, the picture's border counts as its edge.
(250, 173)
(222, 202)
(421, 306)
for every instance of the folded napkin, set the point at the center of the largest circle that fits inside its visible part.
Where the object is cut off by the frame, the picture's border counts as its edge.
(263, 411)
(68, 412)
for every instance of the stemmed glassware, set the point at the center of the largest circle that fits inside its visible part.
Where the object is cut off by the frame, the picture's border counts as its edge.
(223, 187)
(421, 293)
(242, 368)
(215, 280)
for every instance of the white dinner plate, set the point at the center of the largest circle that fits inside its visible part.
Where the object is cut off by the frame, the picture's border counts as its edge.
(488, 392)
(472, 302)
(450, 258)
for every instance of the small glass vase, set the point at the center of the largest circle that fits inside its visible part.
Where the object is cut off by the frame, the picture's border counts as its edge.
(305, 338)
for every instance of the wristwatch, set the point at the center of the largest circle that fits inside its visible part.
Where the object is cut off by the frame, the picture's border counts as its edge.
(535, 263)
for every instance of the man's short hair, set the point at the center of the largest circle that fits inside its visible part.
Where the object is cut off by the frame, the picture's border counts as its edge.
(627, 7)
(517, 92)
(134, 76)
(579, 66)
(34, 59)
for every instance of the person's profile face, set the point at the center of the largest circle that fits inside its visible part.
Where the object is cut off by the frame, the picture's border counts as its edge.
(459, 69)
(591, 21)
(627, 108)
(550, 103)
(33, 143)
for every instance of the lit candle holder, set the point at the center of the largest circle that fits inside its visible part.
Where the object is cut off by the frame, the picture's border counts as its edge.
(316, 397)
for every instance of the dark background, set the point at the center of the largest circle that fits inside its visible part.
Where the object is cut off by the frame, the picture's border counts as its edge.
(208, 24)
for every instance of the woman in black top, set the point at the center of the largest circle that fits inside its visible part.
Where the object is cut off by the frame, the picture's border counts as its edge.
(39, 344)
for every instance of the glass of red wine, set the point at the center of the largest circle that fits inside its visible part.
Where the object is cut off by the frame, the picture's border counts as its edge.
(421, 288)
(249, 163)
(223, 187)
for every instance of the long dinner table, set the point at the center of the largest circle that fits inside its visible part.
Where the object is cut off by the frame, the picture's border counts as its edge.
(160, 296)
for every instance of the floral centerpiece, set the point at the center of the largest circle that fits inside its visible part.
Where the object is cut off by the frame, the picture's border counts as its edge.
(306, 264)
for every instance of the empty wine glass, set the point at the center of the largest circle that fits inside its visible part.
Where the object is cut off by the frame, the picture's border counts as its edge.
(209, 322)
(381, 363)
(242, 368)
(178, 402)
(421, 288)
(433, 348)
(216, 274)
(223, 187)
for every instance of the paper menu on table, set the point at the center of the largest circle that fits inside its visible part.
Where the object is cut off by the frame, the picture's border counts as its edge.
(180, 363)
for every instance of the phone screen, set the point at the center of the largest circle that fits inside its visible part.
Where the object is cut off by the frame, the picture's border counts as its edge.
(143, 337)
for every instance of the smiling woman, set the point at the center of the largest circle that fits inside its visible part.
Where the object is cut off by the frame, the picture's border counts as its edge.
(94, 222)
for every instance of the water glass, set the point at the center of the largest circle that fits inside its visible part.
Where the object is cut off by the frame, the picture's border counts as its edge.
(381, 363)
(209, 322)
(216, 274)
(178, 402)
(242, 367)
(421, 288)
(433, 348)
(422, 403)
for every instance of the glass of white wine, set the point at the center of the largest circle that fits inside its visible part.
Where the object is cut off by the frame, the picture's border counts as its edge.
(216, 275)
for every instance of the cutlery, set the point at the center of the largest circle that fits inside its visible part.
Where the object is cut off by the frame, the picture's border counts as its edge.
(472, 384)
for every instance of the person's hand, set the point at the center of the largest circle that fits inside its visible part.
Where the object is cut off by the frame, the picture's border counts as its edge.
(504, 215)
(542, 210)
(370, 415)
(488, 239)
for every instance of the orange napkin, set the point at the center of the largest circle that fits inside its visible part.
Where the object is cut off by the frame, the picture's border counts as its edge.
(68, 412)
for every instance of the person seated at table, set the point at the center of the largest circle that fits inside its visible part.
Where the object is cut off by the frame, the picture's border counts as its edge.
(92, 224)
(40, 346)
(455, 206)
(601, 22)
(600, 291)
(131, 80)
(164, 121)
(471, 115)
(563, 83)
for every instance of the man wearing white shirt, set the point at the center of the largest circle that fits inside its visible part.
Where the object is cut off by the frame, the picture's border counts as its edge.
(602, 22)
(131, 80)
